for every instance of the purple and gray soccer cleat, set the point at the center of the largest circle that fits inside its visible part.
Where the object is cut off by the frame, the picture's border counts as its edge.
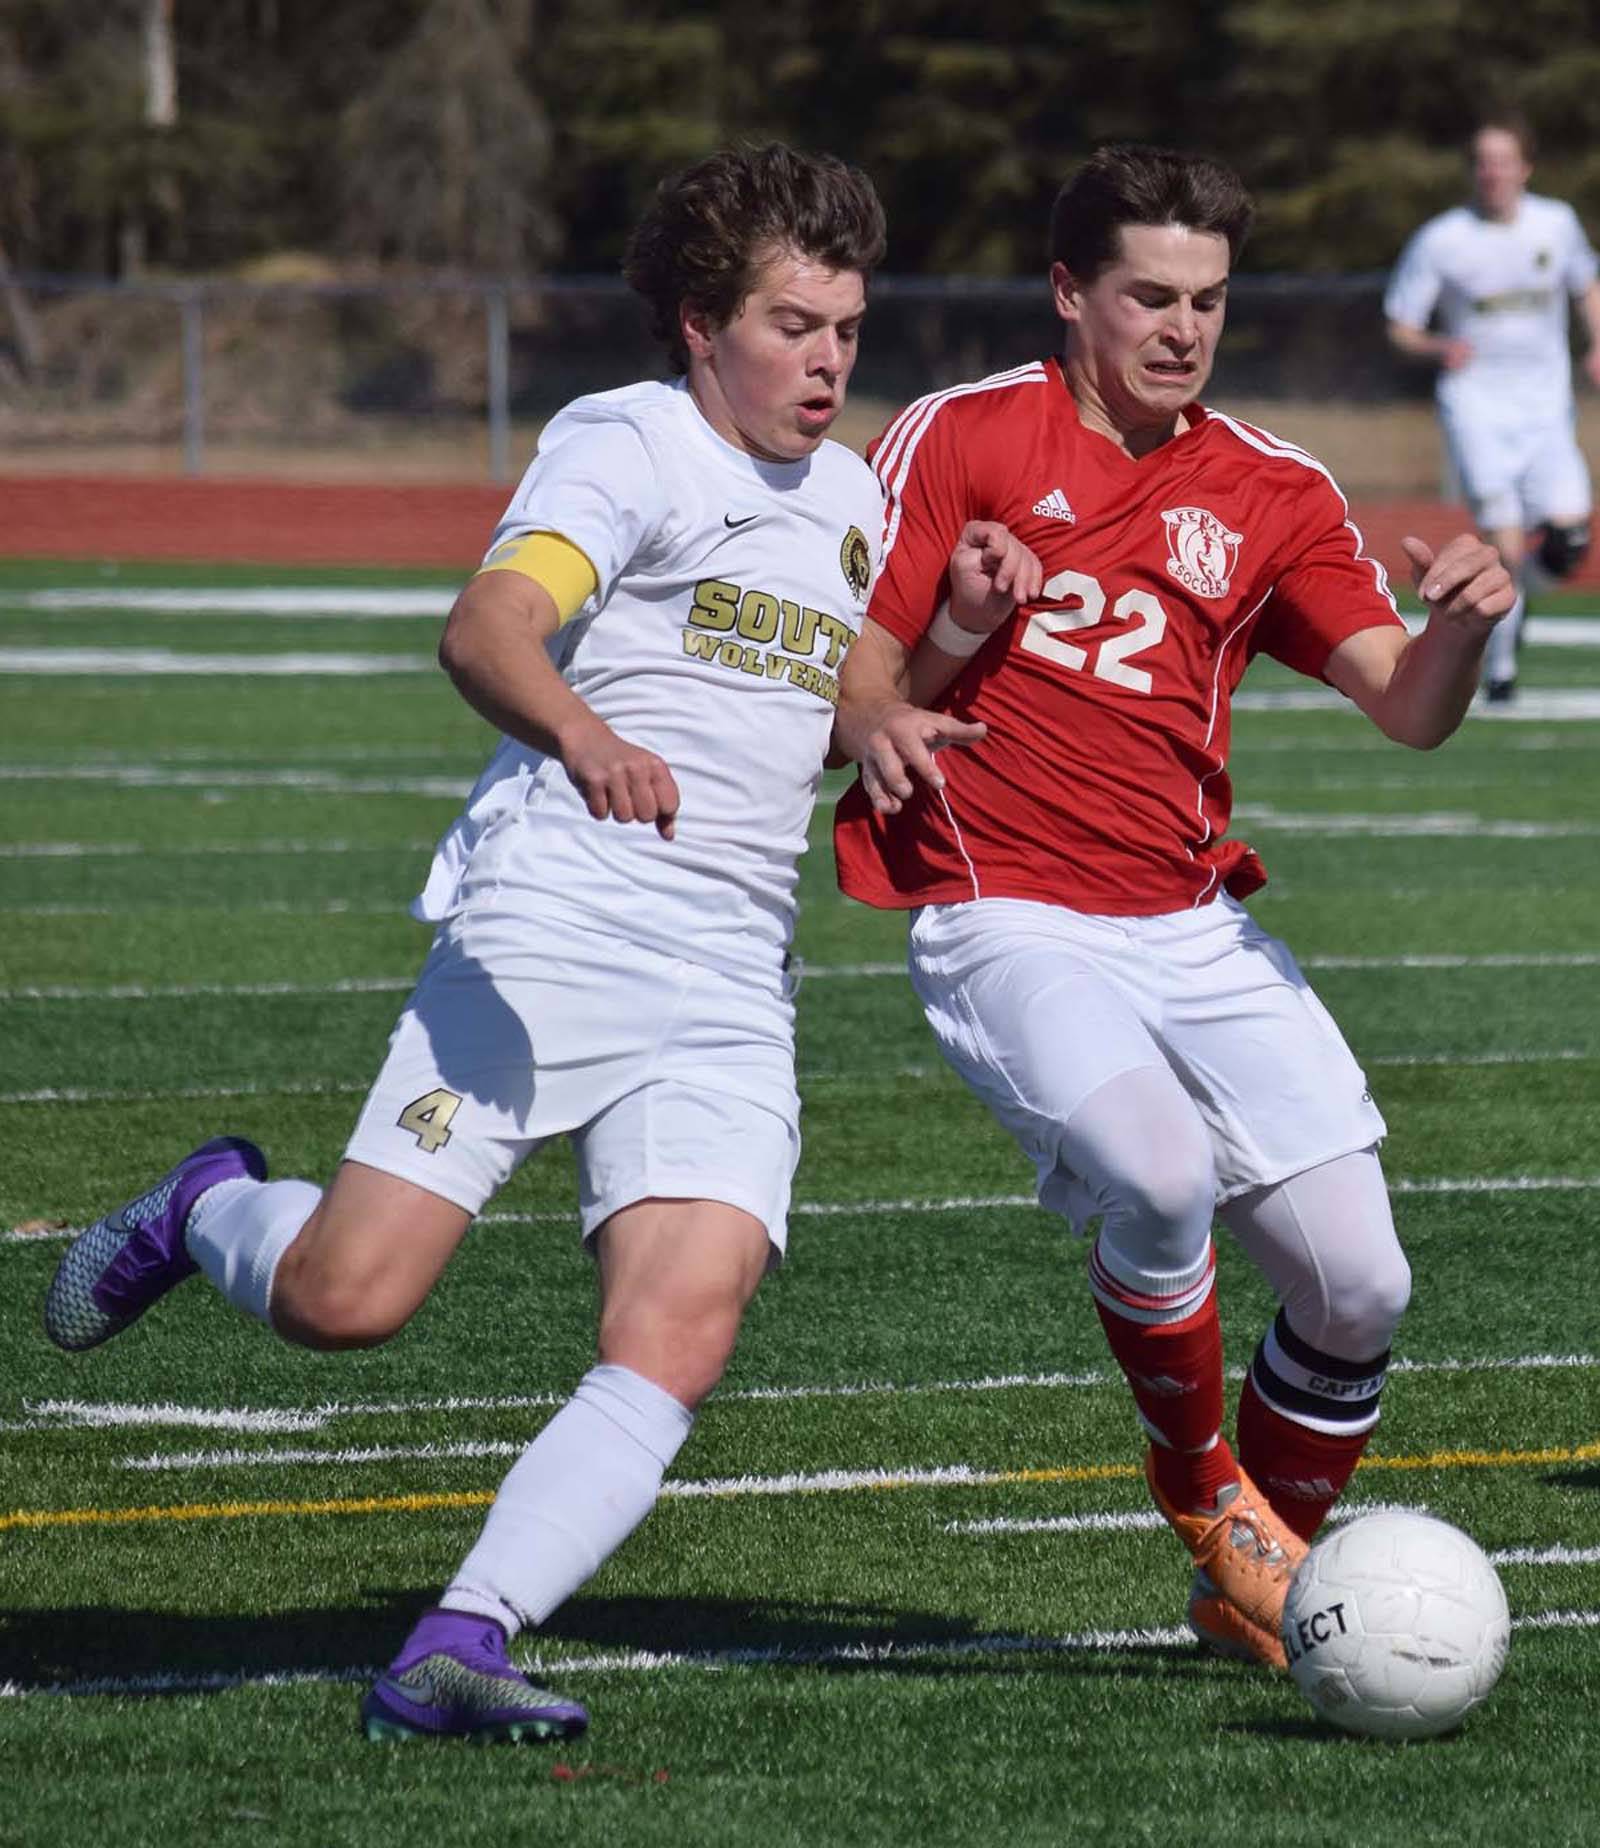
(125, 1262)
(453, 1680)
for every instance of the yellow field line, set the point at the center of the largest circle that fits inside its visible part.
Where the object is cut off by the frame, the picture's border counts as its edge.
(238, 1510)
(480, 1498)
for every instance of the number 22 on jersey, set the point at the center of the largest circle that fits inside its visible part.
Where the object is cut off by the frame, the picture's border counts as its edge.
(1111, 656)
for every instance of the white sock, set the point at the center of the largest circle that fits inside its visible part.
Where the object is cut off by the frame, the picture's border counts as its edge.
(1500, 656)
(571, 1499)
(238, 1230)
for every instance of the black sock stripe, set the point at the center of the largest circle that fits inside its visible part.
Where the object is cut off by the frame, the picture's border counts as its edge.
(1303, 1354)
(1356, 1409)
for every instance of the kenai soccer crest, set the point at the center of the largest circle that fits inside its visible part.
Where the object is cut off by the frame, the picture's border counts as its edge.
(1202, 550)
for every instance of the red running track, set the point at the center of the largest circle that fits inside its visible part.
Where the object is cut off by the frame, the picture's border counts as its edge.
(209, 521)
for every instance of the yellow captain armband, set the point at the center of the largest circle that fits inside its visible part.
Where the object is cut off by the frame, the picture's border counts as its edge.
(554, 563)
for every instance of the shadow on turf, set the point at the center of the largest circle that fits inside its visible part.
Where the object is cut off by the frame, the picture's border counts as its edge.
(92, 1643)
(41, 1648)
(835, 1633)
(1574, 1479)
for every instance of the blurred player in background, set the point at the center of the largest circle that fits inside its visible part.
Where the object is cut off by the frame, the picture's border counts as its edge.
(657, 630)
(1077, 937)
(1496, 276)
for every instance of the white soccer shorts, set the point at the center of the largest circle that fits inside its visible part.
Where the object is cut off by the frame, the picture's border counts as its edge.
(673, 1080)
(1037, 1007)
(1515, 471)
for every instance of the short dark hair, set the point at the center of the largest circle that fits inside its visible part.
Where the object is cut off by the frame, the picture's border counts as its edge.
(709, 230)
(1129, 184)
(1510, 122)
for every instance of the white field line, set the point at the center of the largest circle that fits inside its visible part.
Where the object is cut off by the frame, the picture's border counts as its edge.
(979, 1203)
(340, 601)
(191, 991)
(958, 1203)
(816, 1482)
(248, 757)
(819, 1075)
(69, 1094)
(81, 1414)
(1447, 824)
(730, 1488)
(295, 600)
(311, 1087)
(1372, 740)
(1543, 631)
(304, 782)
(809, 972)
(1538, 959)
(1546, 1556)
(556, 1667)
(325, 908)
(285, 1459)
(149, 662)
(1539, 705)
(1443, 824)
(130, 850)
(1141, 1520)
(1560, 1056)
(1543, 705)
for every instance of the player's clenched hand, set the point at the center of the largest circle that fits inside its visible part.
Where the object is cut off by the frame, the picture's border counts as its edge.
(991, 572)
(619, 779)
(900, 745)
(1464, 582)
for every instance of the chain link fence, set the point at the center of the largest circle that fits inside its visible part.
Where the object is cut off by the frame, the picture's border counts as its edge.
(455, 376)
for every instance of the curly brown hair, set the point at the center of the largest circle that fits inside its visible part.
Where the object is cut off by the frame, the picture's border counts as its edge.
(1129, 184)
(710, 229)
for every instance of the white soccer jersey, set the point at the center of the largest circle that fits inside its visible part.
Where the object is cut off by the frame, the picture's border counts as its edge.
(729, 589)
(1504, 289)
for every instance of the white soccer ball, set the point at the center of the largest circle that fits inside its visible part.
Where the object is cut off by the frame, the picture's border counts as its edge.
(1396, 1625)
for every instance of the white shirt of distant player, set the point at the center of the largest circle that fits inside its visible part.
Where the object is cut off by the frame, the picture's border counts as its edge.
(660, 503)
(1503, 287)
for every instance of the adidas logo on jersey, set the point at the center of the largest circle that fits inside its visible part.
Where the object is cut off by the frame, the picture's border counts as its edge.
(1056, 506)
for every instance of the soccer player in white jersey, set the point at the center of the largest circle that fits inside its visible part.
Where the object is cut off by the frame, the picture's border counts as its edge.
(1077, 939)
(657, 630)
(1495, 278)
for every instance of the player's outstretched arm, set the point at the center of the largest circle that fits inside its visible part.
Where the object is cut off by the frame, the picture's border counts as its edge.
(1417, 689)
(879, 728)
(1447, 350)
(493, 649)
(991, 572)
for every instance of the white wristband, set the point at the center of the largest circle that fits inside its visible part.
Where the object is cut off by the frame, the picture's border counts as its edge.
(947, 634)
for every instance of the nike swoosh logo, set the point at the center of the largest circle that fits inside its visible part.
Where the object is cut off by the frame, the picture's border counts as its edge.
(733, 525)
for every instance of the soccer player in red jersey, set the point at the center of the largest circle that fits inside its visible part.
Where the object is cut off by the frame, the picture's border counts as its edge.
(1077, 936)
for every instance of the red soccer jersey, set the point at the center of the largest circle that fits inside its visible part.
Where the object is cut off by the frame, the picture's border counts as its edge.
(1101, 784)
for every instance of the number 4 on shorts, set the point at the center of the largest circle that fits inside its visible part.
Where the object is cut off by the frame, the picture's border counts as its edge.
(428, 1118)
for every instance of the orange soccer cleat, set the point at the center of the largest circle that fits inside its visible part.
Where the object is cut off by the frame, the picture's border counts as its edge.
(1226, 1631)
(1242, 1547)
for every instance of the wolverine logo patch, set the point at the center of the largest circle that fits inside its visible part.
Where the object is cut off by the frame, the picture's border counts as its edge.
(855, 561)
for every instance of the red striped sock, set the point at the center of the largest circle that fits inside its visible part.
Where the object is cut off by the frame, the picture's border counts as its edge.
(1301, 1472)
(1174, 1368)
